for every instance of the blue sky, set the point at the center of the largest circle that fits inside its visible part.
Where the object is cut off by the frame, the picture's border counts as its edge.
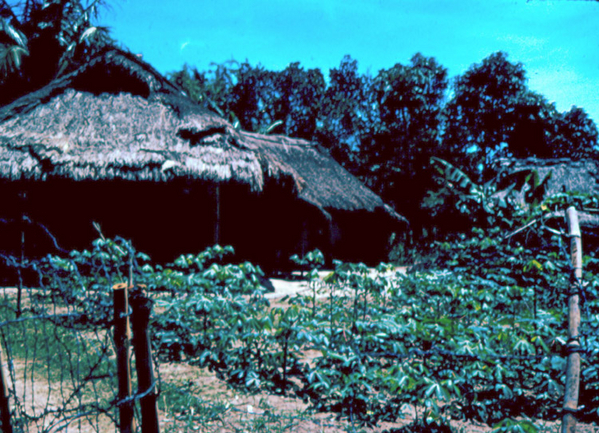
(557, 41)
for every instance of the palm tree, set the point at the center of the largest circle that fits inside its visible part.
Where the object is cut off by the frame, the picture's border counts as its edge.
(43, 39)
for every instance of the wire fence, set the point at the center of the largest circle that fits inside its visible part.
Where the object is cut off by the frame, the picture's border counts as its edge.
(57, 347)
(60, 356)
(60, 369)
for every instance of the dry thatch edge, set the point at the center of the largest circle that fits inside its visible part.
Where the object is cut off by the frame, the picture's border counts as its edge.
(90, 156)
(321, 180)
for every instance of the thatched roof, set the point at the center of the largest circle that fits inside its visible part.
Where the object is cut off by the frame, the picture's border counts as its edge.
(118, 118)
(323, 181)
(567, 175)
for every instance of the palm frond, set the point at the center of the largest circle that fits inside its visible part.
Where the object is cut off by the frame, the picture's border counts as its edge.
(11, 58)
(538, 188)
(454, 177)
(89, 34)
(10, 33)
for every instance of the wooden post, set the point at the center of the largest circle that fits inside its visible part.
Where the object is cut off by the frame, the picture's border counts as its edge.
(304, 238)
(573, 347)
(123, 350)
(217, 215)
(6, 426)
(142, 308)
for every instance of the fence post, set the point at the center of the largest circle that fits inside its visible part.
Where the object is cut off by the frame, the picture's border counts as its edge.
(573, 347)
(123, 350)
(142, 308)
(4, 406)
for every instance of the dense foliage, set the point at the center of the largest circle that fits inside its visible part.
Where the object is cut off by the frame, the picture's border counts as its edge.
(476, 332)
(483, 340)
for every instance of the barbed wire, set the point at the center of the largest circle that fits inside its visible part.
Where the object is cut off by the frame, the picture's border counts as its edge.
(50, 317)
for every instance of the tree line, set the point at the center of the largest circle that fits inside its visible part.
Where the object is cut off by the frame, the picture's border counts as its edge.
(384, 128)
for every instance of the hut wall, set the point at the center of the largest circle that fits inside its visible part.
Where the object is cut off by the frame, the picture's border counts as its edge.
(362, 237)
(163, 220)
(269, 228)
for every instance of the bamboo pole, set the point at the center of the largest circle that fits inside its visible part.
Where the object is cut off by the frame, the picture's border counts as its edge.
(123, 350)
(6, 426)
(304, 238)
(146, 387)
(573, 347)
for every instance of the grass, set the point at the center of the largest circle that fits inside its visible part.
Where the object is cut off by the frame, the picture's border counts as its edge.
(48, 341)
(185, 410)
(55, 366)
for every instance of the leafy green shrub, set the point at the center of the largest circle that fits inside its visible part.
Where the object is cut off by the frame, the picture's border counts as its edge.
(84, 279)
(477, 333)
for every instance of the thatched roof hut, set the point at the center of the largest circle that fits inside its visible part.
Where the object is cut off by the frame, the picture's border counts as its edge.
(116, 139)
(323, 182)
(117, 118)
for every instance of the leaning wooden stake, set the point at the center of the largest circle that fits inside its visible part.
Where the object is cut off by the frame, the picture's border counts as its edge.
(5, 426)
(146, 387)
(573, 347)
(123, 351)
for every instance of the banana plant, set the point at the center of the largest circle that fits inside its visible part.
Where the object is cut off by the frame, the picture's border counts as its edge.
(499, 192)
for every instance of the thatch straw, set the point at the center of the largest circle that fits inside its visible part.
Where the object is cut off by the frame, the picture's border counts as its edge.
(117, 118)
(567, 175)
(323, 181)
(81, 136)
(85, 126)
